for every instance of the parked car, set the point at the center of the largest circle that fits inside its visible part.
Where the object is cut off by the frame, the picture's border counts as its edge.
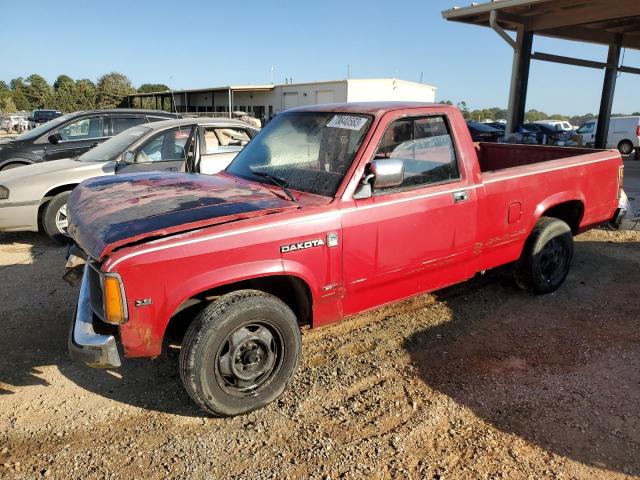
(36, 195)
(39, 117)
(525, 136)
(72, 134)
(328, 212)
(483, 132)
(563, 124)
(624, 133)
(549, 135)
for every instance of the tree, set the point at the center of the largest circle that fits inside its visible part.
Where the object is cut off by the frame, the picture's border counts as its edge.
(153, 87)
(38, 91)
(112, 90)
(86, 94)
(465, 110)
(7, 105)
(65, 94)
(17, 93)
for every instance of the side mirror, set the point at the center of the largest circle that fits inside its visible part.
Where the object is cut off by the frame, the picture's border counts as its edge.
(384, 173)
(55, 138)
(387, 172)
(129, 157)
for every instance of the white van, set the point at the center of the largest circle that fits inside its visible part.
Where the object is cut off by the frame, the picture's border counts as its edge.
(624, 133)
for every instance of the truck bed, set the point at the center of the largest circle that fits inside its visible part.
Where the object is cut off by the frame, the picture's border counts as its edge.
(499, 156)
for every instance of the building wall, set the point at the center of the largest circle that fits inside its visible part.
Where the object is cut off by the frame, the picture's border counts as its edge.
(389, 89)
(302, 94)
(266, 103)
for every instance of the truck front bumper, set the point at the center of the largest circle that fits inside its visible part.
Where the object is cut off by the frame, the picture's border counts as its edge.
(85, 345)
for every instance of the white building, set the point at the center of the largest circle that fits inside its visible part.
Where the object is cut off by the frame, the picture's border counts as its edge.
(264, 101)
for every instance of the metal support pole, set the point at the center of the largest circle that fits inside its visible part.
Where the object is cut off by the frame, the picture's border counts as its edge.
(519, 79)
(229, 102)
(608, 89)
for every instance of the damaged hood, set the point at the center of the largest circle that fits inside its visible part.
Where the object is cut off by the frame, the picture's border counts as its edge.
(109, 212)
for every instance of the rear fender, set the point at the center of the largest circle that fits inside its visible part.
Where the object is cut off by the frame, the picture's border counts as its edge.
(556, 199)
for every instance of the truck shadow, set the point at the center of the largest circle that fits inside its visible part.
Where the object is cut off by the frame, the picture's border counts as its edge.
(36, 306)
(560, 371)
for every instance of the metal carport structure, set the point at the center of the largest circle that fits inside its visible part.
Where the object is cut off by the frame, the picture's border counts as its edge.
(615, 23)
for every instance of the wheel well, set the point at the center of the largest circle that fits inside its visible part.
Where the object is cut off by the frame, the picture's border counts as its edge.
(569, 212)
(293, 291)
(14, 161)
(48, 196)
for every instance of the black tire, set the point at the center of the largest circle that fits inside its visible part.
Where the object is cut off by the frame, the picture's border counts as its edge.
(625, 147)
(546, 257)
(51, 217)
(216, 363)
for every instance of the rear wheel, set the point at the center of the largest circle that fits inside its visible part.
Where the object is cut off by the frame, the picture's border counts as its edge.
(625, 147)
(546, 257)
(240, 353)
(54, 220)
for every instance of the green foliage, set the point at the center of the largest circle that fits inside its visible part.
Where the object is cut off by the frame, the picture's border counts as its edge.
(86, 94)
(65, 93)
(153, 87)
(7, 105)
(38, 92)
(112, 90)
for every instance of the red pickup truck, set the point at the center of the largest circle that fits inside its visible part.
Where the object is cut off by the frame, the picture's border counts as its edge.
(328, 212)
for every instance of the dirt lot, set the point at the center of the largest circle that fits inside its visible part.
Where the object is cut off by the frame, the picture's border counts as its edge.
(478, 381)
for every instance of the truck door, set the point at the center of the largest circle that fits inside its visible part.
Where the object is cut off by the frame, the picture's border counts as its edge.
(418, 236)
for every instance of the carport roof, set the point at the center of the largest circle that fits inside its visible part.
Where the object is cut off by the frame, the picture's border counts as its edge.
(597, 21)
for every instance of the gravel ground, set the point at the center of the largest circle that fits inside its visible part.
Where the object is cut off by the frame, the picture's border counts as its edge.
(477, 381)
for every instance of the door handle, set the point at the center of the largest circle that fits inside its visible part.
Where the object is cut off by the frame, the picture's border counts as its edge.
(460, 196)
(173, 169)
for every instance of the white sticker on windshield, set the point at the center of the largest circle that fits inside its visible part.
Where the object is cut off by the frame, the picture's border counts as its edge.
(350, 122)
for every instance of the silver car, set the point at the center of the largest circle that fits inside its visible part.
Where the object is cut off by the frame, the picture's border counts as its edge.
(34, 197)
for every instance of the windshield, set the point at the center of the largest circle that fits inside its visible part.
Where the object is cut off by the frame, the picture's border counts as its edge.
(307, 151)
(115, 146)
(45, 127)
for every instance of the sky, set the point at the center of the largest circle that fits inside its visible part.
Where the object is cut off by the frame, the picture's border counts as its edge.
(200, 43)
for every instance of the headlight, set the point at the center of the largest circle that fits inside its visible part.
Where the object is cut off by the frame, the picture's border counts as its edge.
(4, 193)
(115, 307)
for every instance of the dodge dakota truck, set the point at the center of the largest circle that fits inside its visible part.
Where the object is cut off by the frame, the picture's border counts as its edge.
(328, 212)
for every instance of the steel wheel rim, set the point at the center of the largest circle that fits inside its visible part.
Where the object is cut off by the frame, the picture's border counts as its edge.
(249, 358)
(553, 260)
(62, 222)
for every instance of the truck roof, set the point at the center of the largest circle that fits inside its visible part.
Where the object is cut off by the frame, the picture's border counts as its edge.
(374, 108)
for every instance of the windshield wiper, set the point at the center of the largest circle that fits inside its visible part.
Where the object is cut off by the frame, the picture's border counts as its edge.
(277, 181)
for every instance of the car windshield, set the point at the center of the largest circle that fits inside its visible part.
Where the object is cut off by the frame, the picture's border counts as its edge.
(115, 146)
(306, 151)
(45, 127)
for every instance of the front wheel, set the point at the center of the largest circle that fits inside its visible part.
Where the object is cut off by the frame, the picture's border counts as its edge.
(240, 353)
(546, 257)
(54, 220)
